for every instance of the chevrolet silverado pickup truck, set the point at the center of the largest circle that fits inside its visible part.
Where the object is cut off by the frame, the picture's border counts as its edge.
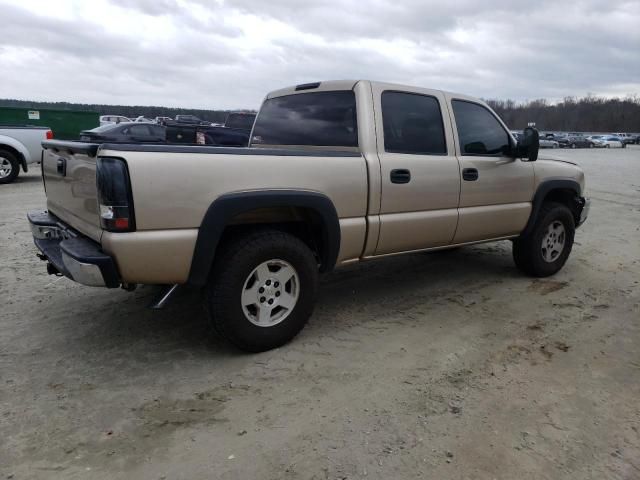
(337, 172)
(20, 146)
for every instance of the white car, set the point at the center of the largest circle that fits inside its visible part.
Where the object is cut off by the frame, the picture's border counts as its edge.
(612, 142)
(598, 140)
(143, 119)
(20, 146)
(109, 119)
(548, 143)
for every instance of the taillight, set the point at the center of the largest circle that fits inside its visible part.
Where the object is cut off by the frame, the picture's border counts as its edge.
(49, 135)
(114, 195)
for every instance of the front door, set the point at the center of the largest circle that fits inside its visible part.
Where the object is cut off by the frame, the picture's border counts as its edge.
(419, 169)
(496, 189)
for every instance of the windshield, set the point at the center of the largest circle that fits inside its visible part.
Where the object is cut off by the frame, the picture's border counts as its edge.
(106, 128)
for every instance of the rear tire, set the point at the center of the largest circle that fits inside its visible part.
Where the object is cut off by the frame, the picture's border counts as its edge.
(262, 290)
(544, 251)
(9, 166)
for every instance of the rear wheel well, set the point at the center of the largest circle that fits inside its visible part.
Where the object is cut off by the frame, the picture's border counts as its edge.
(303, 223)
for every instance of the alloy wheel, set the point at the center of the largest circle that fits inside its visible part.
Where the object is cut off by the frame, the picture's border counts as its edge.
(270, 293)
(5, 167)
(553, 241)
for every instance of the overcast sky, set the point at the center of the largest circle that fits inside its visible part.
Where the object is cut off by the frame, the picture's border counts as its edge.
(228, 54)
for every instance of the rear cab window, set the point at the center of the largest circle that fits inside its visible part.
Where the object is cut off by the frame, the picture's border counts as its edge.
(479, 131)
(324, 119)
(412, 124)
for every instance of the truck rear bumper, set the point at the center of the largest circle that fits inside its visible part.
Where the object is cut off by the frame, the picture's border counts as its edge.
(71, 253)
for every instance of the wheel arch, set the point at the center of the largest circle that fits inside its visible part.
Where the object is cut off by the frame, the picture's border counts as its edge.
(563, 191)
(17, 148)
(222, 212)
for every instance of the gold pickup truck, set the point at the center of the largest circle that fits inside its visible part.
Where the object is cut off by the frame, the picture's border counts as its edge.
(336, 172)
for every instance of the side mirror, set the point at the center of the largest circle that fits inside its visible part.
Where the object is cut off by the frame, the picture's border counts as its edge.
(530, 144)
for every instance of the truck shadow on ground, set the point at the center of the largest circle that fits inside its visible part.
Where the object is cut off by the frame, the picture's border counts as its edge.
(32, 177)
(126, 324)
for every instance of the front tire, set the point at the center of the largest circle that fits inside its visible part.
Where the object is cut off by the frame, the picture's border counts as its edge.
(9, 167)
(544, 251)
(262, 290)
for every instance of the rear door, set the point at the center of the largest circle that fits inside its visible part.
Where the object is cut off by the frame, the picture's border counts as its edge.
(496, 190)
(419, 169)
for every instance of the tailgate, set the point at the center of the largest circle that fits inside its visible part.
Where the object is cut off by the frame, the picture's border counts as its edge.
(69, 171)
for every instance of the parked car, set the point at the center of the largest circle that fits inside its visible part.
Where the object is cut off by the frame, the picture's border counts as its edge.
(240, 120)
(138, 132)
(626, 138)
(125, 132)
(598, 140)
(163, 119)
(548, 143)
(20, 146)
(613, 142)
(143, 119)
(323, 184)
(575, 141)
(109, 119)
(191, 119)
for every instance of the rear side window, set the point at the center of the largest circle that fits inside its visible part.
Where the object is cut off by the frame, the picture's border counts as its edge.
(141, 130)
(412, 124)
(240, 120)
(320, 119)
(479, 131)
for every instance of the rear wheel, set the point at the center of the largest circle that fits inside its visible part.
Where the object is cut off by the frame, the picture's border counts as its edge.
(545, 250)
(573, 145)
(9, 166)
(262, 290)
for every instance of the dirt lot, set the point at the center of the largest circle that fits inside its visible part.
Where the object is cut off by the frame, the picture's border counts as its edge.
(447, 365)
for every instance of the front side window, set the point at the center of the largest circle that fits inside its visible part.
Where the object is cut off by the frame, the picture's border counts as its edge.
(310, 119)
(479, 131)
(412, 124)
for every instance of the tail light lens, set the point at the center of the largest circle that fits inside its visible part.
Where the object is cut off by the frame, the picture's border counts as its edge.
(49, 135)
(114, 195)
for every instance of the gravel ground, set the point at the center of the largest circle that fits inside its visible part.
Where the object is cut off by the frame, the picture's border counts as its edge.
(446, 365)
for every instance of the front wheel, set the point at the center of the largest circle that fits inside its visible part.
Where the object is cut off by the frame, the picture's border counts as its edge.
(262, 290)
(573, 145)
(545, 250)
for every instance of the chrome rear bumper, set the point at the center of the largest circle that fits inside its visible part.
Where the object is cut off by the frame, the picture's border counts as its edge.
(71, 253)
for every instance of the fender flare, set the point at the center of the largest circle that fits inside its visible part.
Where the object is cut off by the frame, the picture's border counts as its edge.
(224, 208)
(24, 156)
(543, 190)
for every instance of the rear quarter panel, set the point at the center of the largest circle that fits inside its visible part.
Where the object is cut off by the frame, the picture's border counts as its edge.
(172, 192)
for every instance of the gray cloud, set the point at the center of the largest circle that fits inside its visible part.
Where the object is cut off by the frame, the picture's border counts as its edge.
(228, 54)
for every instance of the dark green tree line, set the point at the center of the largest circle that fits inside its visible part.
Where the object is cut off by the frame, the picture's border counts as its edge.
(586, 114)
(131, 111)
